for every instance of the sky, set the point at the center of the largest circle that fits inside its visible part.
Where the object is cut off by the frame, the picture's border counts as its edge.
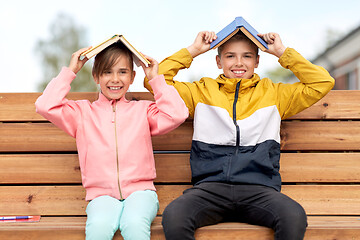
(159, 28)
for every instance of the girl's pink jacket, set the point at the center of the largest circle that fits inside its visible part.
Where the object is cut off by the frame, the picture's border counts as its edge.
(113, 137)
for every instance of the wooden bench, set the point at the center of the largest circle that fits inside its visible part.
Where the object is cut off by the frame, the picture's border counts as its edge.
(320, 167)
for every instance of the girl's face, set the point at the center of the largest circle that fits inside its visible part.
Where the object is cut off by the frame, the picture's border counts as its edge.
(238, 60)
(115, 81)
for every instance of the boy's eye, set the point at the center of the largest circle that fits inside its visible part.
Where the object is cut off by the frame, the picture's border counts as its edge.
(248, 56)
(229, 56)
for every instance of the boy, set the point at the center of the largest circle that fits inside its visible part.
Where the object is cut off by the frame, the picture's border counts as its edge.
(235, 149)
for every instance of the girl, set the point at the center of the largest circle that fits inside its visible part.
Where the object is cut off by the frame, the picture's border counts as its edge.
(113, 137)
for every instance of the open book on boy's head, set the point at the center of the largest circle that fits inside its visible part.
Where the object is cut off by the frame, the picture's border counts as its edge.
(138, 57)
(230, 30)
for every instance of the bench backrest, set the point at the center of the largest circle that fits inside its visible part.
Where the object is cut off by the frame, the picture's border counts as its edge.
(40, 174)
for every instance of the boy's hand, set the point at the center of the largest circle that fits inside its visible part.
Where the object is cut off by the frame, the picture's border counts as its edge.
(152, 70)
(276, 47)
(201, 43)
(75, 63)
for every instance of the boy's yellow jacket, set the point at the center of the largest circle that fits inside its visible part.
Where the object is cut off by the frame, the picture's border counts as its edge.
(236, 135)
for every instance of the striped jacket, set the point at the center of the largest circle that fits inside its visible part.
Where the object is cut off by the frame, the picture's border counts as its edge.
(236, 135)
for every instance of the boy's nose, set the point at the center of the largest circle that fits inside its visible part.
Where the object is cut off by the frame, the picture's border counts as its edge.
(239, 61)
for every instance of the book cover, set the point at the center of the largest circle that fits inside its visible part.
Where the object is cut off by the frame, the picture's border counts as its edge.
(138, 57)
(239, 24)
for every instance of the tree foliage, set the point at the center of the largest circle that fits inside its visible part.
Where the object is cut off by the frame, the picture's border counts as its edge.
(280, 74)
(66, 37)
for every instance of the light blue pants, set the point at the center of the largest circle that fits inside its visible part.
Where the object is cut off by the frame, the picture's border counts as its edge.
(133, 216)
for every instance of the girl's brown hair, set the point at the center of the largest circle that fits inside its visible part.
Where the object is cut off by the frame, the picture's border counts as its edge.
(108, 57)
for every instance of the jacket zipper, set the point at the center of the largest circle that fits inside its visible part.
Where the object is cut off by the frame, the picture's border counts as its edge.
(237, 128)
(117, 152)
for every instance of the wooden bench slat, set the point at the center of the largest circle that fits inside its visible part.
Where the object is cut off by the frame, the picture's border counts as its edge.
(69, 200)
(335, 105)
(39, 169)
(17, 107)
(45, 137)
(315, 135)
(295, 135)
(74, 228)
(175, 168)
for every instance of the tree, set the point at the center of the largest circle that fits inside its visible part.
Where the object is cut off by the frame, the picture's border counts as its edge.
(66, 37)
(280, 74)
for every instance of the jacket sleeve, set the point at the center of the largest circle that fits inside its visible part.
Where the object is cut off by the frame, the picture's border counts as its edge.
(315, 83)
(168, 111)
(53, 105)
(169, 67)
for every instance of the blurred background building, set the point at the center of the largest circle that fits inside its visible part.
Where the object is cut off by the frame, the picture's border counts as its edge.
(342, 60)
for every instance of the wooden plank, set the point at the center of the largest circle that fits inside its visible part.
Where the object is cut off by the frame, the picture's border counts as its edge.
(20, 107)
(320, 167)
(34, 137)
(326, 199)
(74, 228)
(295, 135)
(65, 169)
(45, 137)
(337, 104)
(323, 136)
(175, 168)
(39, 169)
(69, 200)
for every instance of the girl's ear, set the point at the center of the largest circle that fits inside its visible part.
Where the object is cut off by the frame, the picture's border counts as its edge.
(218, 62)
(96, 79)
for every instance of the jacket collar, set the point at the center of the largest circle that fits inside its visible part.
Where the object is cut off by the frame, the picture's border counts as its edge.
(103, 99)
(229, 84)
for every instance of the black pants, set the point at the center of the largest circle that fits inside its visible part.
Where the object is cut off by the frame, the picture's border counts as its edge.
(210, 203)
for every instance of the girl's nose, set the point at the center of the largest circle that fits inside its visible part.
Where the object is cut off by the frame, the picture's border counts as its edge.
(116, 78)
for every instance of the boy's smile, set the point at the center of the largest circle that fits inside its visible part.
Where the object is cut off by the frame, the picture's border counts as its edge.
(115, 82)
(238, 60)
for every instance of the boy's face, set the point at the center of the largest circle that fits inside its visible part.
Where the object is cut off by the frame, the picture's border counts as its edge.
(115, 81)
(238, 60)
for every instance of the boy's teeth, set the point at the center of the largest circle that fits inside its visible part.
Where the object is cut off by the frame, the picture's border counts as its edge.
(115, 88)
(239, 72)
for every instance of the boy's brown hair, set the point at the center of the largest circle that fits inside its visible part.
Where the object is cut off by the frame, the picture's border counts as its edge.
(107, 58)
(239, 36)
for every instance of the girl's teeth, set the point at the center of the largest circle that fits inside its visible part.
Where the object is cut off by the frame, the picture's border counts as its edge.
(115, 88)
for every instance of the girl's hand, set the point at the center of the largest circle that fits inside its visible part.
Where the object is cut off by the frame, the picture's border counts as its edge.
(276, 47)
(152, 70)
(201, 43)
(75, 63)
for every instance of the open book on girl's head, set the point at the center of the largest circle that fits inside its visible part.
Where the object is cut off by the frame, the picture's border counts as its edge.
(98, 48)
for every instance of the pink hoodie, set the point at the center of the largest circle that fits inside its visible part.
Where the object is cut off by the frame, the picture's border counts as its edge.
(113, 137)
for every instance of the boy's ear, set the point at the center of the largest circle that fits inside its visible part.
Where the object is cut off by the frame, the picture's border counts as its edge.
(218, 62)
(132, 77)
(257, 61)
